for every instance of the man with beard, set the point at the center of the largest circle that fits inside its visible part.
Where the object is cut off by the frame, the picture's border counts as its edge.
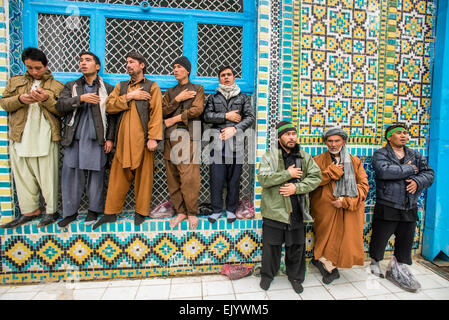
(287, 174)
(401, 175)
(138, 103)
(88, 138)
(230, 112)
(338, 207)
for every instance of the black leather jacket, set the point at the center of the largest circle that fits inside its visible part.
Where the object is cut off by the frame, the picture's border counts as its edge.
(391, 176)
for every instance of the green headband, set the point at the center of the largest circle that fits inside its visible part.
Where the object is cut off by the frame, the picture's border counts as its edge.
(286, 126)
(395, 130)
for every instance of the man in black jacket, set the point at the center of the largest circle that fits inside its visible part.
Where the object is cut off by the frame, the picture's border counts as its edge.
(230, 113)
(401, 175)
(87, 138)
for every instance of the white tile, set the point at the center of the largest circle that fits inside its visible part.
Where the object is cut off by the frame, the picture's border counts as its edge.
(179, 280)
(251, 296)
(388, 296)
(155, 281)
(284, 294)
(120, 293)
(18, 296)
(316, 293)
(442, 281)
(371, 287)
(185, 290)
(220, 297)
(4, 289)
(187, 298)
(248, 284)
(418, 269)
(28, 288)
(214, 277)
(125, 283)
(390, 286)
(344, 291)
(362, 298)
(54, 295)
(211, 288)
(280, 282)
(404, 295)
(91, 284)
(356, 274)
(427, 282)
(437, 294)
(88, 294)
(312, 280)
(153, 292)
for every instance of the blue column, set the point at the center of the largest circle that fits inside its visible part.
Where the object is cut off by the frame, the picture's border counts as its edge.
(436, 228)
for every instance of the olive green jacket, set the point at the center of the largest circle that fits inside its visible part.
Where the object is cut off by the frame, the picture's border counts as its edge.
(18, 111)
(272, 175)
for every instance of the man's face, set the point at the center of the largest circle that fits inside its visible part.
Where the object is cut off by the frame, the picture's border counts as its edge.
(180, 72)
(35, 68)
(288, 139)
(88, 65)
(226, 77)
(334, 144)
(134, 67)
(399, 138)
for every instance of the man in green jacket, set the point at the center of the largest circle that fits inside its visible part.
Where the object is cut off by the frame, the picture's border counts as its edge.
(287, 174)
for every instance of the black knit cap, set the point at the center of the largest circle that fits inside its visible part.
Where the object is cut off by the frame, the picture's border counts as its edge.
(283, 127)
(394, 126)
(183, 61)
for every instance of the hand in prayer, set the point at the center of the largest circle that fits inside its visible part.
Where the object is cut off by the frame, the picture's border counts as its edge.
(151, 144)
(138, 94)
(412, 186)
(185, 95)
(90, 98)
(295, 172)
(39, 94)
(233, 116)
(108, 145)
(288, 189)
(227, 133)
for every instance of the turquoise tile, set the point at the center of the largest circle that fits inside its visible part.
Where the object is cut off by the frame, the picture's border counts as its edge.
(112, 226)
(206, 225)
(128, 226)
(160, 226)
(145, 226)
(73, 227)
(167, 226)
(81, 226)
(19, 230)
(137, 228)
(120, 226)
(152, 226)
(221, 224)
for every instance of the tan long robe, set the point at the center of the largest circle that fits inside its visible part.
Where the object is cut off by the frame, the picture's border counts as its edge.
(339, 232)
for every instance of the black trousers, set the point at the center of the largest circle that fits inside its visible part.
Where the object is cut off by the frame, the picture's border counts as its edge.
(404, 234)
(295, 259)
(219, 174)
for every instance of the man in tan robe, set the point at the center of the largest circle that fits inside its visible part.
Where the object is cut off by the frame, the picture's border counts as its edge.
(139, 105)
(338, 207)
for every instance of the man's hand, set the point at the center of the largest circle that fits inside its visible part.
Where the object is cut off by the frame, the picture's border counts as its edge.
(108, 145)
(288, 189)
(337, 203)
(90, 98)
(227, 133)
(138, 94)
(412, 186)
(233, 116)
(39, 94)
(171, 121)
(414, 167)
(27, 99)
(151, 144)
(185, 95)
(295, 172)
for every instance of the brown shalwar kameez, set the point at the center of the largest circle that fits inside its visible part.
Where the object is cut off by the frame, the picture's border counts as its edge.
(339, 231)
(132, 159)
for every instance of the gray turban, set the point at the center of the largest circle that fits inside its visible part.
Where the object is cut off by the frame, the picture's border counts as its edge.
(335, 131)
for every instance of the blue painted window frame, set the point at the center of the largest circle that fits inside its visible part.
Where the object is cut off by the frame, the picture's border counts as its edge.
(98, 12)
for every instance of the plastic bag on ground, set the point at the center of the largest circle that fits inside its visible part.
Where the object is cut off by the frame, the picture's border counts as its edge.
(163, 210)
(205, 209)
(235, 272)
(401, 276)
(245, 210)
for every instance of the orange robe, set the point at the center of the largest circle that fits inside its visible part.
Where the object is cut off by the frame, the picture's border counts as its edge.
(339, 231)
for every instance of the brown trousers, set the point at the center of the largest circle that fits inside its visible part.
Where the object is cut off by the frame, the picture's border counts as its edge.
(183, 181)
(120, 180)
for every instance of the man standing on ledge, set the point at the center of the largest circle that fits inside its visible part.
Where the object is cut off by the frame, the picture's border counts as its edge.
(287, 174)
(338, 207)
(139, 107)
(401, 175)
(182, 106)
(34, 131)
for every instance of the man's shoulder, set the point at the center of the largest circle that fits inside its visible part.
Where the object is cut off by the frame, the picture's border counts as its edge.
(17, 80)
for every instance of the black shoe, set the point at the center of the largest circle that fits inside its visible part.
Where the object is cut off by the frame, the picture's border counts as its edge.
(265, 283)
(320, 266)
(48, 219)
(138, 219)
(65, 221)
(334, 275)
(211, 220)
(231, 220)
(91, 217)
(105, 219)
(19, 221)
(297, 286)
(402, 281)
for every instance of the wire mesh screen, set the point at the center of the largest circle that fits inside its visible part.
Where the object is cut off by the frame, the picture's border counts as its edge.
(218, 46)
(62, 38)
(211, 5)
(160, 42)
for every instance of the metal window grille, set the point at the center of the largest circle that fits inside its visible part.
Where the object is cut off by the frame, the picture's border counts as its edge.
(62, 38)
(211, 5)
(218, 46)
(160, 42)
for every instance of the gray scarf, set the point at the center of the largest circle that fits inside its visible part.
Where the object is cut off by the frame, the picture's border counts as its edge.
(228, 91)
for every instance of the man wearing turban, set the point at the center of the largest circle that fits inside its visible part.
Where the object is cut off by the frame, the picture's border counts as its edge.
(338, 207)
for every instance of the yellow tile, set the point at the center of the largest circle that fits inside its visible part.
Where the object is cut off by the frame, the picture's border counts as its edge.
(5, 192)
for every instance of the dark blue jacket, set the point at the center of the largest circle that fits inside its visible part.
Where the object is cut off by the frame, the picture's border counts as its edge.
(391, 176)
